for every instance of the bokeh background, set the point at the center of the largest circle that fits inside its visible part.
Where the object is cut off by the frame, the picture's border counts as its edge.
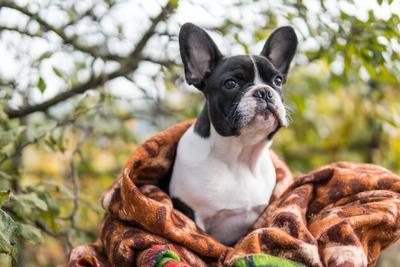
(82, 82)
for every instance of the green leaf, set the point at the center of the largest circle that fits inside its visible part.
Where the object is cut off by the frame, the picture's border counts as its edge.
(174, 2)
(5, 245)
(41, 85)
(30, 233)
(45, 55)
(243, 44)
(5, 176)
(56, 141)
(10, 136)
(8, 232)
(58, 72)
(51, 204)
(60, 188)
(8, 149)
(3, 114)
(31, 200)
(4, 197)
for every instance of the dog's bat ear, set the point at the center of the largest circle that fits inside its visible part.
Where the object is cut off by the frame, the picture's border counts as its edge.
(280, 48)
(199, 54)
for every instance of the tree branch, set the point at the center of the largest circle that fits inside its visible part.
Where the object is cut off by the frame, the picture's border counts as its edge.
(128, 65)
(23, 32)
(93, 51)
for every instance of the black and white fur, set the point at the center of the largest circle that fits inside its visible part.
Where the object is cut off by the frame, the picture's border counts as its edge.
(223, 171)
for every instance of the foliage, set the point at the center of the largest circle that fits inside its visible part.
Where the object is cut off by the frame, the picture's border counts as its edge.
(82, 82)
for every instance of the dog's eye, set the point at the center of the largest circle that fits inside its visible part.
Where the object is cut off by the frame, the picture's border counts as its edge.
(278, 81)
(230, 84)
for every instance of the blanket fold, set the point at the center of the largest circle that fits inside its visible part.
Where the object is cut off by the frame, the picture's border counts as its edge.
(342, 214)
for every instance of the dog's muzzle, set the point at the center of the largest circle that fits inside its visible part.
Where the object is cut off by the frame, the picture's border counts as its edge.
(266, 94)
(264, 101)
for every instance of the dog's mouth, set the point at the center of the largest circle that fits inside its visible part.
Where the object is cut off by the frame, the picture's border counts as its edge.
(258, 114)
(281, 119)
(281, 122)
(268, 110)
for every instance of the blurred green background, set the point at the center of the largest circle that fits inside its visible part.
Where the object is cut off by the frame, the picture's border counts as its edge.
(83, 82)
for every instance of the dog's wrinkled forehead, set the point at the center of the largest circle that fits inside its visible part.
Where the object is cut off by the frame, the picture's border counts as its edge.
(240, 66)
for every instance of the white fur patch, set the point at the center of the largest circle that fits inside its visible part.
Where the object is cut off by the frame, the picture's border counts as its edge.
(223, 175)
(257, 77)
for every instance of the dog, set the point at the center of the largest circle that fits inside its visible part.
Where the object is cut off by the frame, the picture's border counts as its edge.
(223, 176)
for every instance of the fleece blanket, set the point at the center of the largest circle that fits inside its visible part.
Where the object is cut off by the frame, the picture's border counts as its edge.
(342, 214)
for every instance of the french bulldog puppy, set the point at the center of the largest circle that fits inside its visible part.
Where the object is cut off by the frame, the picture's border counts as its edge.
(223, 176)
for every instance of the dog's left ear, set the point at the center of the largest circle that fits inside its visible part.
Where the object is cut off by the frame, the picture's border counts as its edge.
(280, 48)
(199, 54)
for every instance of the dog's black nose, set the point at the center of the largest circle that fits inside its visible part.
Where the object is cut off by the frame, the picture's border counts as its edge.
(264, 94)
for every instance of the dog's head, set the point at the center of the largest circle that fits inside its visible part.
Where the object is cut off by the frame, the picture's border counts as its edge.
(242, 92)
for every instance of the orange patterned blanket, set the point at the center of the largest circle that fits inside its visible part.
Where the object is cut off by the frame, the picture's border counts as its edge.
(342, 214)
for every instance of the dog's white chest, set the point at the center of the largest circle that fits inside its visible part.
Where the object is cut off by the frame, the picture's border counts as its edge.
(226, 184)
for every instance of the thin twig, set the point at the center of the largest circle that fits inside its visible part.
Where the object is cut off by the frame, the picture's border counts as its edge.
(74, 175)
(75, 184)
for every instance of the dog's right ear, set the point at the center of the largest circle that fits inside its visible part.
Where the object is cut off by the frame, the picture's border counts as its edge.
(199, 54)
